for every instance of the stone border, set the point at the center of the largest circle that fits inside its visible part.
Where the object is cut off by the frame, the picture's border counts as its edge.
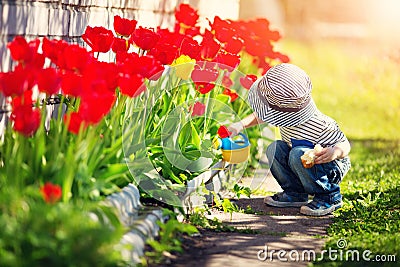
(212, 180)
(142, 220)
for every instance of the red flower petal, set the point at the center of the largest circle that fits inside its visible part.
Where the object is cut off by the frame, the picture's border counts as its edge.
(124, 27)
(209, 47)
(248, 80)
(131, 85)
(74, 122)
(120, 45)
(204, 87)
(51, 193)
(204, 75)
(26, 120)
(231, 93)
(186, 15)
(145, 38)
(191, 48)
(164, 52)
(72, 84)
(14, 83)
(75, 58)
(198, 109)
(98, 38)
(234, 45)
(20, 50)
(223, 132)
(52, 49)
(48, 81)
(227, 60)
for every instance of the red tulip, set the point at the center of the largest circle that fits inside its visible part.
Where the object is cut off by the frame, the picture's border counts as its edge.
(204, 87)
(263, 64)
(223, 132)
(281, 57)
(198, 109)
(48, 81)
(209, 47)
(95, 92)
(51, 193)
(21, 50)
(71, 84)
(260, 28)
(74, 122)
(248, 80)
(190, 48)
(186, 15)
(131, 84)
(52, 49)
(145, 38)
(192, 31)
(204, 75)
(227, 60)
(169, 37)
(120, 45)
(26, 53)
(124, 27)
(164, 52)
(257, 48)
(234, 45)
(98, 38)
(75, 58)
(104, 72)
(14, 82)
(26, 119)
(23, 99)
(147, 66)
(226, 81)
(231, 93)
(223, 29)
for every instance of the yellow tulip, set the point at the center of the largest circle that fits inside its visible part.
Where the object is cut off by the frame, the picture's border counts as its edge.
(183, 66)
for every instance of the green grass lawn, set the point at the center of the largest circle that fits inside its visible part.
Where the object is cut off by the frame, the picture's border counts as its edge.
(359, 86)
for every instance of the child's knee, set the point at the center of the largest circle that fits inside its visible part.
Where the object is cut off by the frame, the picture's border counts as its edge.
(295, 154)
(274, 148)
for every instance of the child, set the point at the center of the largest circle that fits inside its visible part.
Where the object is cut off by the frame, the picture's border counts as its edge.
(282, 97)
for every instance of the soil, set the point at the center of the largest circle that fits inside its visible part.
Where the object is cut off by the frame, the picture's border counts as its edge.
(270, 229)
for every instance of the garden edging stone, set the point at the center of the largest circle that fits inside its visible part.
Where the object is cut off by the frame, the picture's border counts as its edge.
(211, 180)
(142, 220)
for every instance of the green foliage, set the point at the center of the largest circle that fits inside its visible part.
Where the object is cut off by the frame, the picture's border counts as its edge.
(34, 233)
(169, 239)
(87, 165)
(198, 219)
(225, 204)
(370, 217)
(239, 190)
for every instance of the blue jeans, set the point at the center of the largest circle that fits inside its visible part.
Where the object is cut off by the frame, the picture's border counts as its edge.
(321, 180)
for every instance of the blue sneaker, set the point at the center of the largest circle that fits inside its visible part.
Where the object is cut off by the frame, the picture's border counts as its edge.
(284, 200)
(320, 208)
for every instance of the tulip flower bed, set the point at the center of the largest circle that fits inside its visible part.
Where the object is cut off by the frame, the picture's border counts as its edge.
(148, 117)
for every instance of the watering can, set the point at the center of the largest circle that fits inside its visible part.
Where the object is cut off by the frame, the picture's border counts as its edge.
(235, 149)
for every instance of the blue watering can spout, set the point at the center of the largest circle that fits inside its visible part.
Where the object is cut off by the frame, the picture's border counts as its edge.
(229, 143)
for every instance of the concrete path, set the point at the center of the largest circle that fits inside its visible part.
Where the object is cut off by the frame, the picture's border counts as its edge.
(280, 236)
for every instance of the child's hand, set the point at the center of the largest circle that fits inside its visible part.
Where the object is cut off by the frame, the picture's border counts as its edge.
(327, 154)
(235, 128)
